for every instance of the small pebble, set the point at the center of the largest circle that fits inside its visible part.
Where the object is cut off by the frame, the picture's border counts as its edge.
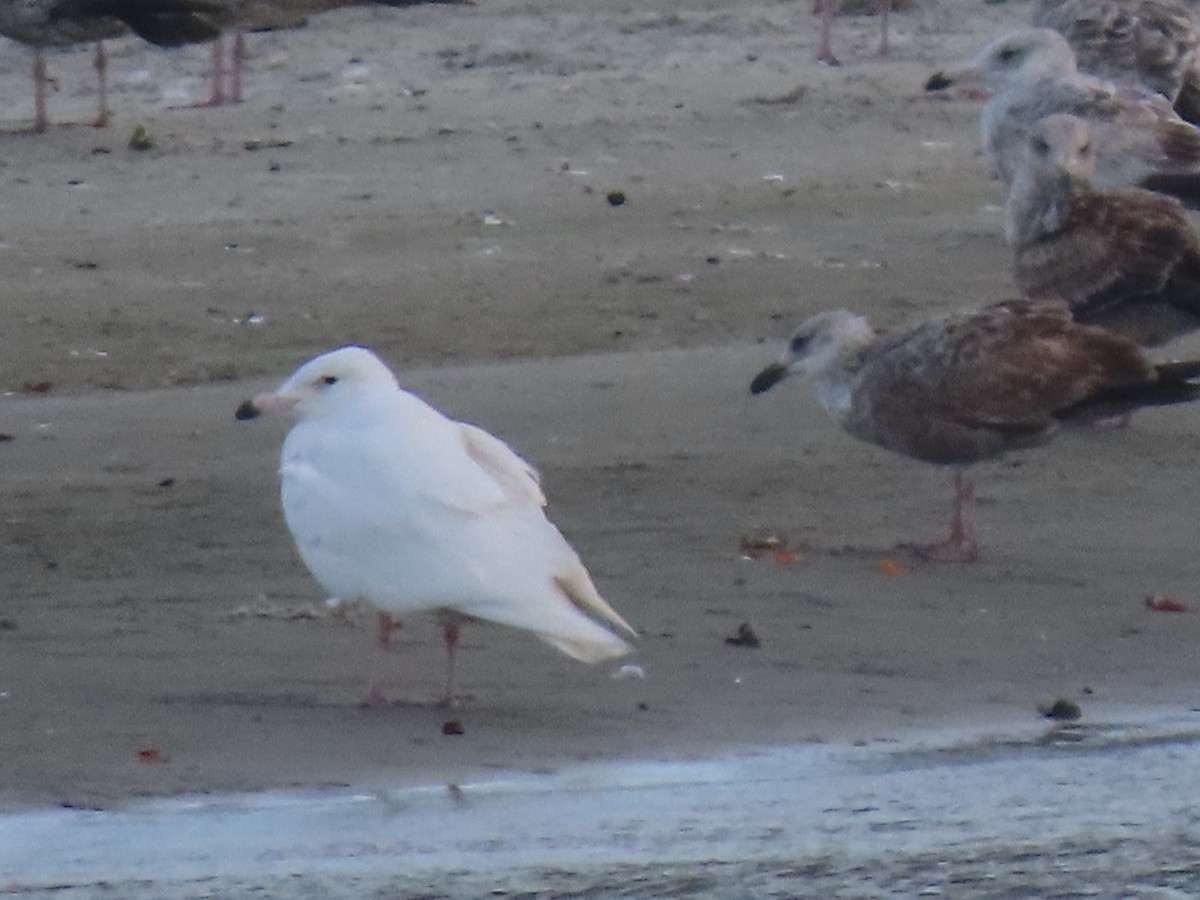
(743, 637)
(1061, 709)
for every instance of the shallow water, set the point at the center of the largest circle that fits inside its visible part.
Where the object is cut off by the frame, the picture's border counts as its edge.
(1106, 810)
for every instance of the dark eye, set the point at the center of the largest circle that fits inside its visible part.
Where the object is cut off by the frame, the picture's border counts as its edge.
(1040, 147)
(798, 343)
(1008, 54)
(329, 379)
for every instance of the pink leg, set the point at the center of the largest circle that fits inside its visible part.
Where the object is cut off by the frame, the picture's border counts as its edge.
(374, 697)
(884, 8)
(239, 57)
(386, 626)
(450, 636)
(102, 81)
(827, 9)
(216, 73)
(960, 545)
(39, 90)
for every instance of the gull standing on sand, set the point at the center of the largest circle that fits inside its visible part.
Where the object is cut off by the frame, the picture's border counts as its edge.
(1125, 259)
(1031, 74)
(393, 503)
(965, 387)
(1152, 43)
(62, 23)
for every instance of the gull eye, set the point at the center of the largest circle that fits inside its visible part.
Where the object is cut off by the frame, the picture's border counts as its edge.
(329, 379)
(798, 343)
(1008, 54)
(1041, 147)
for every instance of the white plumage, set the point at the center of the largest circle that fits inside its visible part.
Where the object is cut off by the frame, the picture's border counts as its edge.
(391, 502)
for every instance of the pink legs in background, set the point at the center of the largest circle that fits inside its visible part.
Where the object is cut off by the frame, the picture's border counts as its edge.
(239, 58)
(40, 80)
(386, 626)
(826, 9)
(39, 90)
(101, 64)
(884, 9)
(226, 80)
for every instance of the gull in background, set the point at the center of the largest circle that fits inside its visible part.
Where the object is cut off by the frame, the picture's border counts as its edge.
(1031, 74)
(1152, 43)
(1125, 259)
(969, 386)
(62, 23)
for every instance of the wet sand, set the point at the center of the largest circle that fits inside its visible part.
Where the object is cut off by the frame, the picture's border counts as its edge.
(437, 190)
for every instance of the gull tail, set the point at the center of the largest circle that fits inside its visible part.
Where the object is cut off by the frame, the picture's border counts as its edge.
(601, 644)
(1183, 186)
(1187, 103)
(1177, 382)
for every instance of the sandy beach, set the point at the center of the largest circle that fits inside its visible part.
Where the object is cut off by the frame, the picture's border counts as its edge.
(434, 183)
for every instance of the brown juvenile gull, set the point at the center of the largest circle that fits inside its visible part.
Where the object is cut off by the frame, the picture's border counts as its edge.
(393, 503)
(1031, 74)
(1126, 259)
(828, 10)
(968, 386)
(240, 16)
(61, 23)
(1153, 43)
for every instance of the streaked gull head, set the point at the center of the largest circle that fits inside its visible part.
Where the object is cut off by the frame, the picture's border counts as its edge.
(815, 346)
(1063, 142)
(1028, 55)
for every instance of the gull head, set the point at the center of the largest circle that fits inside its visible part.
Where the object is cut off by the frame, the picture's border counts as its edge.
(324, 385)
(1030, 54)
(816, 346)
(1058, 159)
(1064, 143)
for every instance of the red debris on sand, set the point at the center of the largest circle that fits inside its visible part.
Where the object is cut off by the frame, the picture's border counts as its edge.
(1164, 604)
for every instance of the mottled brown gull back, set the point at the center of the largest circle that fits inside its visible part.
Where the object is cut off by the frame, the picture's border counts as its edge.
(971, 386)
(1154, 43)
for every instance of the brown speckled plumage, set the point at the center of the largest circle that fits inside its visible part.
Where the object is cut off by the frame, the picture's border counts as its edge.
(1126, 259)
(1154, 43)
(969, 386)
(965, 387)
